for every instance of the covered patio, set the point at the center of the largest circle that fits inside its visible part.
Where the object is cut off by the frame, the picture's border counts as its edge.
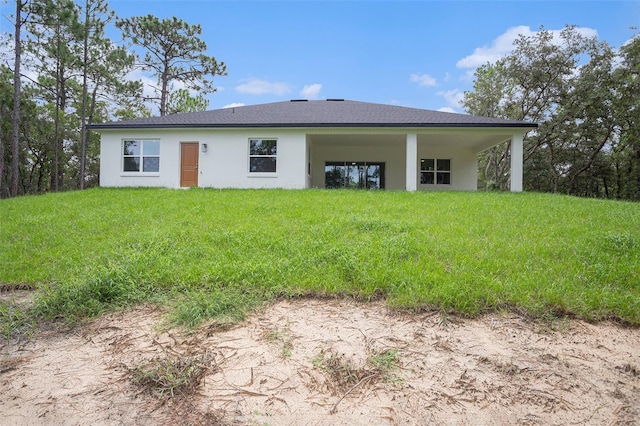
(406, 159)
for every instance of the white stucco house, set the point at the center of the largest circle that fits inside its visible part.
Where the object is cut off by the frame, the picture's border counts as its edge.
(306, 144)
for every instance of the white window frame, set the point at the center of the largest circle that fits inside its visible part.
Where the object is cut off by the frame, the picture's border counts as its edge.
(250, 156)
(141, 157)
(435, 171)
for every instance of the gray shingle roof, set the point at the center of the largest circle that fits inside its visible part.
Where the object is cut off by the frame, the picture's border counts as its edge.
(329, 113)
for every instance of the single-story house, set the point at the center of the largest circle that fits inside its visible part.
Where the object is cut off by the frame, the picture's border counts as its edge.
(333, 143)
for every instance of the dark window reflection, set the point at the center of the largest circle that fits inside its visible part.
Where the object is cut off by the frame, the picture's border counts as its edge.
(151, 164)
(263, 147)
(131, 147)
(434, 171)
(145, 153)
(131, 164)
(356, 175)
(262, 155)
(262, 164)
(426, 178)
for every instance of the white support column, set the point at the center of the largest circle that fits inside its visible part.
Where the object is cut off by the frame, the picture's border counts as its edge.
(516, 162)
(412, 162)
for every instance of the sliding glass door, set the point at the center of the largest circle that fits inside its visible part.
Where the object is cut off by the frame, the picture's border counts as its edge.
(357, 175)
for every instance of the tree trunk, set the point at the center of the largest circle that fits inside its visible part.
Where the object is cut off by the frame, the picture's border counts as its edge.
(61, 105)
(163, 92)
(56, 150)
(1, 161)
(83, 123)
(15, 123)
(573, 183)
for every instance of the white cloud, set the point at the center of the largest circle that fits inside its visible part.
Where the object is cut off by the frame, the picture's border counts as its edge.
(469, 75)
(618, 59)
(6, 52)
(500, 47)
(447, 77)
(255, 86)
(631, 40)
(423, 80)
(233, 105)
(503, 45)
(311, 91)
(453, 97)
(149, 86)
(446, 109)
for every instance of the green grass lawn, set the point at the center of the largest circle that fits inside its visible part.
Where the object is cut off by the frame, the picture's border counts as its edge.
(212, 253)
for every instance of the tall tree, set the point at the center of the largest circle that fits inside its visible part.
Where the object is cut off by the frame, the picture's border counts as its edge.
(492, 98)
(174, 52)
(587, 122)
(626, 154)
(92, 24)
(3, 111)
(55, 34)
(17, 85)
(1, 160)
(81, 76)
(181, 101)
(564, 82)
(104, 68)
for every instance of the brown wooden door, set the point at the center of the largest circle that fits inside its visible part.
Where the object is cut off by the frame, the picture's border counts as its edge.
(189, 164)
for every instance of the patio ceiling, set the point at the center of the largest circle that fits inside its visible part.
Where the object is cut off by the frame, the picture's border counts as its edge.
(477, 140)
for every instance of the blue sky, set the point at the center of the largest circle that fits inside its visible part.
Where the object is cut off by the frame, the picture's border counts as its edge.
(414, 53)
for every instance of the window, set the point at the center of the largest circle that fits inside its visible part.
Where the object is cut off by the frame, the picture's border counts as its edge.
(357, 175)
(262, 155)
(141, 156)
(435, 171)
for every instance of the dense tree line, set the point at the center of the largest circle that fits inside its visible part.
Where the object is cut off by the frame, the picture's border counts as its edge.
(65, 73)
(585, 95)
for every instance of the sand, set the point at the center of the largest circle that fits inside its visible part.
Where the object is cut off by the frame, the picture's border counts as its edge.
(280, 367)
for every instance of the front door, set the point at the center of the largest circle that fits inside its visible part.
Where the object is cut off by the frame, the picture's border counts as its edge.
(189, 164)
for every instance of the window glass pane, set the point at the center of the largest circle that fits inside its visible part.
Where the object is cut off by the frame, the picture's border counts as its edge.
(262, 147)
(151, 164)
(444, 165)
(334, 176)
(374, 176)
(151, 147)
(444, 178)
(131, 164)
(353, 176)
(362, 176)
(272, 148)
(426, 164)
(426, 178)
(262, 164)
(255, 147)
(131, 147)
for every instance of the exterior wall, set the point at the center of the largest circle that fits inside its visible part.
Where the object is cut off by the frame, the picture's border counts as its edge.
(111, 173)
(225, 164)
(464, 167)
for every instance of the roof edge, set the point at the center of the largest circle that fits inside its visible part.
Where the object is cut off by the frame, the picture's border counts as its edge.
(115, 126)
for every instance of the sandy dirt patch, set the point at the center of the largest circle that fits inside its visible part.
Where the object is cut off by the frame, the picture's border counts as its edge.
(329, 362)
